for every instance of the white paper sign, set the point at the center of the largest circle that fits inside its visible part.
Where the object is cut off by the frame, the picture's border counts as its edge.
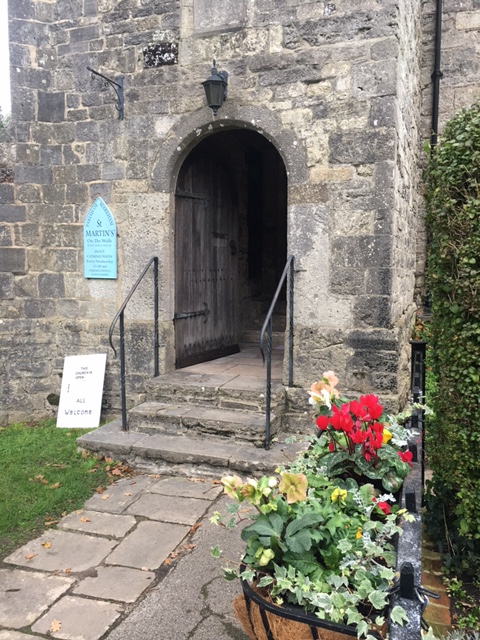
(81, 393)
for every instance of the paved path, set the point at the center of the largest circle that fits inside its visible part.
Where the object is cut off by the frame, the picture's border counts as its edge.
(133, 564)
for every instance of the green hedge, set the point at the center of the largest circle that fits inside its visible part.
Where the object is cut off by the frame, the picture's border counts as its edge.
(453, 224)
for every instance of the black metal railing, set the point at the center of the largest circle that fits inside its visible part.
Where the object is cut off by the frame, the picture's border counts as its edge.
(120, 316)
(268, 329)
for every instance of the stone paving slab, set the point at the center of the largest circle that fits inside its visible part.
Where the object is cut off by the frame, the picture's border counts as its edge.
(101, 523)
(168, 508)
(72, 612)
(148, 545)
(116, 583)
(187, 488)
(7, 634)
(66, 550)
(116, 498)
(25, 595)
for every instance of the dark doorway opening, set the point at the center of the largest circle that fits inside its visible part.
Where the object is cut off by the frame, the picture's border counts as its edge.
(230, 243)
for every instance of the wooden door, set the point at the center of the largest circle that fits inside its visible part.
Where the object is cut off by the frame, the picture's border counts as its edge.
(205, 262)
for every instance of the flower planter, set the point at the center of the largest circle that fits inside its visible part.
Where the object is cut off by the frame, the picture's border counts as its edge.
(261, 619)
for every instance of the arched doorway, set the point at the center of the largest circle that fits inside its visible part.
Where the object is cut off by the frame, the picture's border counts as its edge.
(230, 242)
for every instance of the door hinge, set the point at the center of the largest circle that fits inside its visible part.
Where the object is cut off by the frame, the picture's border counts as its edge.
(193, 314)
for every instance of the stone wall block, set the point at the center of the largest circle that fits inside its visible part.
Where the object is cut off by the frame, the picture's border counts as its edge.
(13, 260)
(69, 9)
(12, 213)
(60, 260)
(81, 34)
(26, 286)
(88, 172)
(27, 235)
(46, 214)
(51, 154)
(7, 193)
(76, 193)
(347, 282)
(363, 147)
(51, 106)
(5, 235)
(23, 104)
(51, 236)
(51, 285)
(382, 112)
(361, 251)
(378, 282)
(372, 311)
(6, 286)
(28, 32)
(33, 174)
(360, 25)
(39, 309)
(375, 79)
(30, 193)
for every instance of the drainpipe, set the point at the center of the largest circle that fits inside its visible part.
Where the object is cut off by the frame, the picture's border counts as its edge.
(437, 75)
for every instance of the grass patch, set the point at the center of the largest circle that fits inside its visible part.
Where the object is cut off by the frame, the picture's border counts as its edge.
(42, 477)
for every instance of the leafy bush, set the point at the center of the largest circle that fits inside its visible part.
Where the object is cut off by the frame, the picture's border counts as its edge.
(453, 445)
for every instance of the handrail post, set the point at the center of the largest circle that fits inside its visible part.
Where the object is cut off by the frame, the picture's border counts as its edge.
(290, 322)
(122, 372)
(268, 390)
(155, 312)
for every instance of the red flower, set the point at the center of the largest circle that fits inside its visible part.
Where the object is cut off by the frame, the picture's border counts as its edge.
(322, 422)
(384, 506)
(358, 409)
(331, 447)
(374, 409)
(406, 456)
(341, 419)
(358, 436)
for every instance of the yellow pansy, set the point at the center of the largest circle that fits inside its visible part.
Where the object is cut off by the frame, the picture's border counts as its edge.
(339, 495)
(386, 436)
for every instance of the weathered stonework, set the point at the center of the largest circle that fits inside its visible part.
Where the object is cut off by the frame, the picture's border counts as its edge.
(332, 90)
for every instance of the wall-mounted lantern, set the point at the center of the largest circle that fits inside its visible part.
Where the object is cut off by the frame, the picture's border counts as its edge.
(216, 88)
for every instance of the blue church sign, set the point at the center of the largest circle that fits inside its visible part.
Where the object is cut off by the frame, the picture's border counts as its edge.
(99, 242)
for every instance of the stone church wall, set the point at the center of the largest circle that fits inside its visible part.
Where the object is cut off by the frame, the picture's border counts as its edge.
(334, 86)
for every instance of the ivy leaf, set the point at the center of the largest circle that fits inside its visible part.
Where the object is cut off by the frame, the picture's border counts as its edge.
(398, 615)
(265, 581)
(378, 599)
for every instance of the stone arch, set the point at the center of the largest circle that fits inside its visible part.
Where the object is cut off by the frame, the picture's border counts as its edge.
(184, 135)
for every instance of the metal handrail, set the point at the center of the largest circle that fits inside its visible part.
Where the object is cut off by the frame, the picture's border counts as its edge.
(267, 327)
(120, 316)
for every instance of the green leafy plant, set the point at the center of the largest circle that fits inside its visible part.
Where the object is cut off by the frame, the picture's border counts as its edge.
(452, 197)
(321, 541)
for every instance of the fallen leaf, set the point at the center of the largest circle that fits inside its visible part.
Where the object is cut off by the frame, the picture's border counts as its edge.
(129, 493)
(100, 489)
(29, 556)
(67, 570)
(166, 561)
(105, 497)
(64, 514)
(91, 470)
(108, 460)
(55, 625)
(50, 522)
(216, 481)
(84, 454)
(85, 519)
(144, 568)
(194, 527)
(117, 472)
(54, 486)
(107, 468)
(47, 545)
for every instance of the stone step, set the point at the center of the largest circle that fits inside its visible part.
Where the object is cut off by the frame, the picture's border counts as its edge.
(225, 391)
(206, 421)
(252, 337)
(185, 454)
